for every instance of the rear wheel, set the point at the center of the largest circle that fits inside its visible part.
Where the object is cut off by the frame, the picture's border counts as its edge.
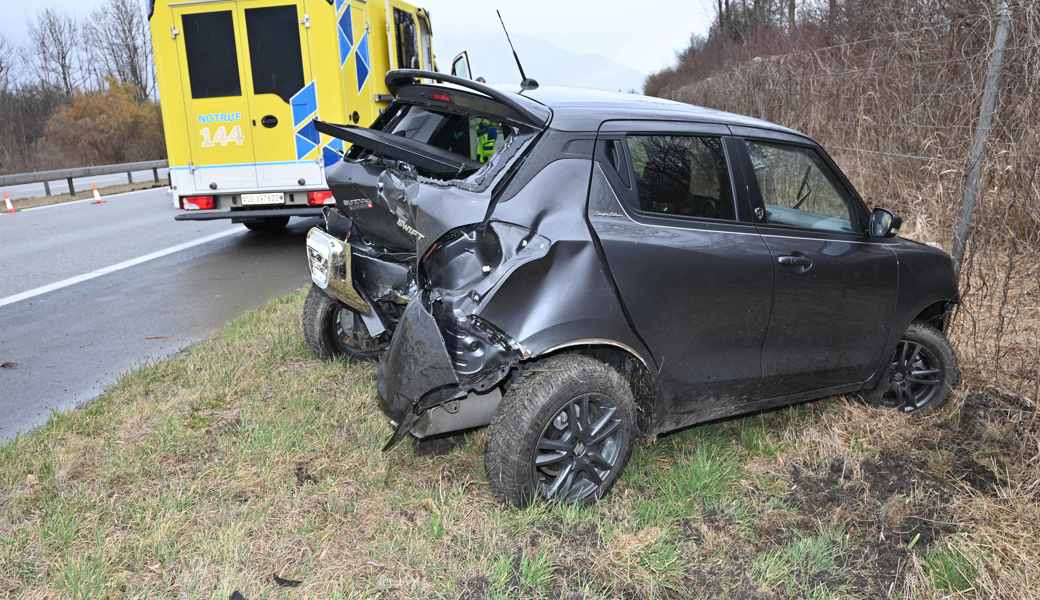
(563, 432)
(333, 330)
(921, 373)
(267, 224)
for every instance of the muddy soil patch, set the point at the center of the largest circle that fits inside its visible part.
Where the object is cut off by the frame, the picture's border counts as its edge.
(898, 502)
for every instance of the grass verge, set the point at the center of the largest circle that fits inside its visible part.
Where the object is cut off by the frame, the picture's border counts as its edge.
(243, 465)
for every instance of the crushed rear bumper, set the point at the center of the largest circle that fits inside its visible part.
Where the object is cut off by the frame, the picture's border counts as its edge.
(423, 384)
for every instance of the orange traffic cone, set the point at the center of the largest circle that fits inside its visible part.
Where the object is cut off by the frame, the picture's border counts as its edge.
(97, 195)
(8, 205)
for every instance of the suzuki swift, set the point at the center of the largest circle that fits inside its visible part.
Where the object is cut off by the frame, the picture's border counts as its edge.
(618, 266)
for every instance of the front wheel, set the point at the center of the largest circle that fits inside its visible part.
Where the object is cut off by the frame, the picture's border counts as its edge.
(921, 374)
(333, 330)
(563, 432)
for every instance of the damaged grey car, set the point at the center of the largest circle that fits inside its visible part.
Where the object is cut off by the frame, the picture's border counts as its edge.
(578, 269)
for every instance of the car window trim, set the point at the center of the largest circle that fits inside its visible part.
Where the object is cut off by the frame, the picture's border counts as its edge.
(834, 174)
(632, 190)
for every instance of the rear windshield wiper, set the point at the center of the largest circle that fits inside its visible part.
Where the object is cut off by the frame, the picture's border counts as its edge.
(425, 157)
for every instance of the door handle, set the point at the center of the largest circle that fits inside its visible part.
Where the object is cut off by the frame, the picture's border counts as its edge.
(270, 121)
(802, 263)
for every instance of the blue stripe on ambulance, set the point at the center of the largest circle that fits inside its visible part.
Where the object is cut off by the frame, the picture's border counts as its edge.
(346, 36)
(333, 152)
(304, 104)
(363, 62)
(307, 139)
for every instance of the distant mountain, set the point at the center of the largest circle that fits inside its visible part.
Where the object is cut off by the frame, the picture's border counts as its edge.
(543, 61)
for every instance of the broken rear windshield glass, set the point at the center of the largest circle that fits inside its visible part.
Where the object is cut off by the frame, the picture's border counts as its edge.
(472, 137)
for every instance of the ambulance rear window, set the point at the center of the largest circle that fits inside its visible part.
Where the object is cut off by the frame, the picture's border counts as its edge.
(209, 40)
(274, 49)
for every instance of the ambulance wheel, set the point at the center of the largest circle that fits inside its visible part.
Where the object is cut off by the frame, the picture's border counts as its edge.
(267, 225)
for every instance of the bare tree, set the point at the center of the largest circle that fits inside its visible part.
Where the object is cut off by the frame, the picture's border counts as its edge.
(7, 64)
(54, 49)
(117, 35)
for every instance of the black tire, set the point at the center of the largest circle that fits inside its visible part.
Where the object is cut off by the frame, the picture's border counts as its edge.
(324, 332)
(267, 224)
(918, 384)
(530, 414)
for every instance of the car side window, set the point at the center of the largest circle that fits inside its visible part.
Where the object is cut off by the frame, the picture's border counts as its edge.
(796, 190)
(682, 175)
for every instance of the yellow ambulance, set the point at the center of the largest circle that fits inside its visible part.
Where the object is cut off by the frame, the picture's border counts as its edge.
(241, 83)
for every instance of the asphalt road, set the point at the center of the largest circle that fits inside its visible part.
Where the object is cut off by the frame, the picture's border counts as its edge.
(89, 292)
(32, 190)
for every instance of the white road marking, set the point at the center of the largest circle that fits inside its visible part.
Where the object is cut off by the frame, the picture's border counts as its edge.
(133, 262)
(85, 200)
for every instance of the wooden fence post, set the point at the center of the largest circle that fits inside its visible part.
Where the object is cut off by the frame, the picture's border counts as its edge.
(962, 234)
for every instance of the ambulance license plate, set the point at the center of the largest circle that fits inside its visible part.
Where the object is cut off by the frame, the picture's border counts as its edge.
(262, 199)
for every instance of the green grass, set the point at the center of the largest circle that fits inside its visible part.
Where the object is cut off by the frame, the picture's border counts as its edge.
(949, 569)
(244, 457)
(803, 567)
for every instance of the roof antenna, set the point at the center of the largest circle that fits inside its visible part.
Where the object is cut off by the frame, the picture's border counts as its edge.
(526, 84)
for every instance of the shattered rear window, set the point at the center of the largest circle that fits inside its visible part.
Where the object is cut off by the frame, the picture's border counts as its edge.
(473, 137)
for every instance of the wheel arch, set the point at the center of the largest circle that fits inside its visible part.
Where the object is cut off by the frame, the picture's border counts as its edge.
(627, 361)
(937, 314)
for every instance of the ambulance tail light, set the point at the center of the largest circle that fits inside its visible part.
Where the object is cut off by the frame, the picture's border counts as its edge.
(197, 203)
(318, 198)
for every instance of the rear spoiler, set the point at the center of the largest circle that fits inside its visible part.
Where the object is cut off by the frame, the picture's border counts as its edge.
(533, 114)
(428, 158)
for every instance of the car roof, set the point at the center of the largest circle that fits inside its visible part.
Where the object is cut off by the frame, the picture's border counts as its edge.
(577, 109)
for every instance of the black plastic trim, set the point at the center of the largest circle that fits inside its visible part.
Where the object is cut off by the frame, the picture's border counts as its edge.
(216, 215)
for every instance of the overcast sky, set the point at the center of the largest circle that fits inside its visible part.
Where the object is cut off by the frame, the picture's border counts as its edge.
(643, 35)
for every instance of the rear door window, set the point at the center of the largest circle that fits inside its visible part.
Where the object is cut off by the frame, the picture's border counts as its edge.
(274, 49)
(209, 40)
(682, 175)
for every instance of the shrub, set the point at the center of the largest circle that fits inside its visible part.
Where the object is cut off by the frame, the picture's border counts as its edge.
(111, 126)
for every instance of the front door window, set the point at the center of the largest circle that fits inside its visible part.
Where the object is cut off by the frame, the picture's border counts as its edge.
(796, 189)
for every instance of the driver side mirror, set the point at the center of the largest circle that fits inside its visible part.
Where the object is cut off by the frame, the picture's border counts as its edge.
(884, 224)
(460, 66)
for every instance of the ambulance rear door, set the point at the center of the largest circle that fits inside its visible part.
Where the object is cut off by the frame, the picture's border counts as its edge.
(282, 93)
(209, 45)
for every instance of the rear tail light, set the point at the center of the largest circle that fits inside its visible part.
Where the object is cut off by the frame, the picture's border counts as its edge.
(197, 203)
(439, 97)
(318, 198)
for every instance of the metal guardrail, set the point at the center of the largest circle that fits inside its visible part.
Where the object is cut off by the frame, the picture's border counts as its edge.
(70, 175)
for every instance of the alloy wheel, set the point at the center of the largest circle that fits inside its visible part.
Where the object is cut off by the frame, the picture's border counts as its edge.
(915, 377)
(579, 449)
(351, 333)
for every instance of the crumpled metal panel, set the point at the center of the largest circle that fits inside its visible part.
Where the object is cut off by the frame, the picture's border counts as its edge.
(417, 363)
